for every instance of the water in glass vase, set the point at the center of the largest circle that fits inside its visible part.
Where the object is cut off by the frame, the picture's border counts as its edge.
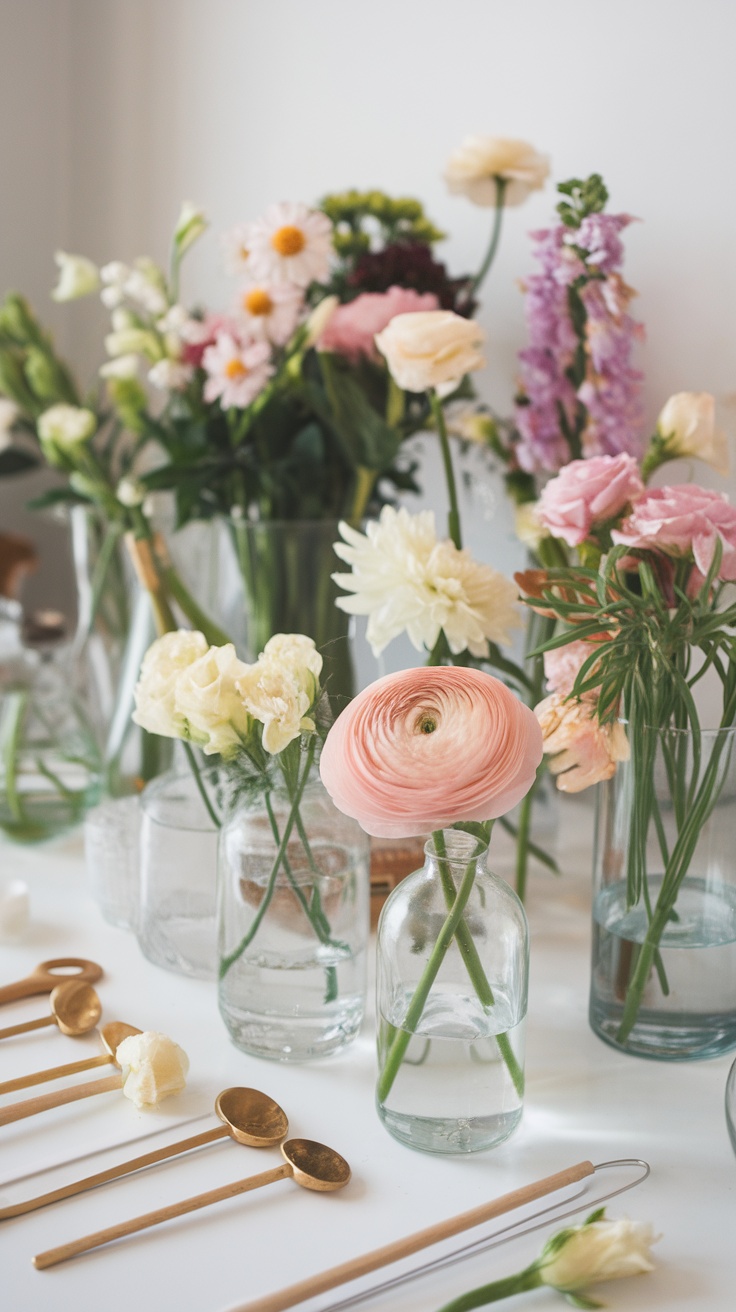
(688, 1007)
(453, 1091)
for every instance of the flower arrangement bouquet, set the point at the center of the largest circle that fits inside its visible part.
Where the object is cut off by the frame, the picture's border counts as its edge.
(647, 620)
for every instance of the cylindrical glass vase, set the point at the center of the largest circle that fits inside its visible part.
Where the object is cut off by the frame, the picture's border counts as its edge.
(178, 873)
(663, 981)
(451, 1003)
(292, 929)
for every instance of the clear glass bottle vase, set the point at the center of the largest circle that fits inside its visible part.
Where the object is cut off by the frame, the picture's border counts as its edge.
(452, 976)
(293, 926)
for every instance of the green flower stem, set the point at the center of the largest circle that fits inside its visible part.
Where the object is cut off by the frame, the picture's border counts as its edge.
(232, 957)
(16, 717)
(453, 516)
(498, 1289)
(490, 254)
(522, 841)
(171, 580)
(217, 822)
(414, 1011)
(473, 964)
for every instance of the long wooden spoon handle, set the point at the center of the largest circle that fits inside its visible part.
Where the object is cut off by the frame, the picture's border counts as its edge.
(114, 1172)
(55, 1255)
(27, 1025)
(378, 1257)
(55, 1073)
(17, 1111)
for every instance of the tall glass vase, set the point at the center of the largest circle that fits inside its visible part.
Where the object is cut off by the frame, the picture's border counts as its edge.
(663, 981)
(286, 568)
(451, 1001)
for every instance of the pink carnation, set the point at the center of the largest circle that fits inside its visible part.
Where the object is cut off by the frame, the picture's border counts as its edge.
(588, 492)
(352, 327)
(422, 749)
(685, 520)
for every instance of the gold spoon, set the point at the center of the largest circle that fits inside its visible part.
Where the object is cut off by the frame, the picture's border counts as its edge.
(75, 1008)
(112, 1036)
(309, 1164)
(48, 974)
(249, 1117)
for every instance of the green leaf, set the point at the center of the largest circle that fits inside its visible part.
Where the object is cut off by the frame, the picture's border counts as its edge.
(366, 438)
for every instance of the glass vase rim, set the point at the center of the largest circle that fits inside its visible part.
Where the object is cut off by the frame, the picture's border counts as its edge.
(457, 836)
(672, 729)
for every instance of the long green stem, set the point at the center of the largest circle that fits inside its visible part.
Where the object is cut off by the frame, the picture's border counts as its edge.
(490, 254)
(217, 822)
(494, 1292)
(453, 515)
(522, 842)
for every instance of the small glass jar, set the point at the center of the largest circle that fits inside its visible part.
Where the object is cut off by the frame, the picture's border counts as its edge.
(451, 1003)
(112, 858)
(178, 872)
(292, 931)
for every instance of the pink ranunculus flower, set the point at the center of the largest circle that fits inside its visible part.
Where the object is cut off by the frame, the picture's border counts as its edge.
(583, 751)
(352, 328)
(586, 493)
(422, 749)
(681, 521)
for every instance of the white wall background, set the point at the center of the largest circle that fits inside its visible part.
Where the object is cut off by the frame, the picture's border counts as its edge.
(114, 111)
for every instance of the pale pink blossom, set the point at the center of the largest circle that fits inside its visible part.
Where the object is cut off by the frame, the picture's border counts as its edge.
(290, 244)
(562, 665)
(237, 371)
(352, 327)
(586, 493)
(198, 334)
(425, 748)
(270, 311)
(582, 751)
(683, 521)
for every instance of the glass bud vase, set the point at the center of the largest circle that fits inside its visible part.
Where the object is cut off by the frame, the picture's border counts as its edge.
(451, 1003)
(663, 980)
(178, 871)
(292, 932)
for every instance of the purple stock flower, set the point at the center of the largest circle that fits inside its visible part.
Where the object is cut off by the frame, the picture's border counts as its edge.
(601, 406)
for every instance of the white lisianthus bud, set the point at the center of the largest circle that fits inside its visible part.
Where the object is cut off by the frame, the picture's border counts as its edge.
(64, 427)
(686, 425)
(208, 700)
(77, 277)
(124, 366)
(112, 296)
(122, 320)
(319, 319)
(431, 349)
(170, 375)
(189, 227)
(153, 1067)
(133, 341)
(155, 692)
(474, 167)
(114, 273)
(596, 1251)
(130, 492)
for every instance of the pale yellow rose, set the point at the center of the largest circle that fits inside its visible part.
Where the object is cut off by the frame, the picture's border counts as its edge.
(473, 168)
(155, 692)
(600, 1250)
(431, 349)
(206, 697)
(687, 426)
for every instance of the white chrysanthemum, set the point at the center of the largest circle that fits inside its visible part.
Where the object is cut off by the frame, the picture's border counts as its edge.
(404, 579)
(236, 371)
(270, 310)
(291, 244)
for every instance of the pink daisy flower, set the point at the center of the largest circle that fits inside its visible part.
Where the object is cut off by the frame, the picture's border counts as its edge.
(270, 310)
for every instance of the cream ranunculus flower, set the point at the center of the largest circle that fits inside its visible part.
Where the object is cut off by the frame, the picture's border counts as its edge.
(62, 428)
(686, 425)
(207, 699)
(431, 348)
(155, 693)
(596, 1251)
(407, 581)
(77, 277)
(474, 167)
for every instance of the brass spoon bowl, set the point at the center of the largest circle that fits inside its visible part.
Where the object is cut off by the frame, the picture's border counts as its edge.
(75, 1009)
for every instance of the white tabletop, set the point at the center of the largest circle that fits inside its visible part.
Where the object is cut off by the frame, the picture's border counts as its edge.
(584, 1100)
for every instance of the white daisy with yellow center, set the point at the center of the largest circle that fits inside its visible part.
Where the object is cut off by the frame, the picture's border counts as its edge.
(290, 244)
(270, 310)
(236, 370)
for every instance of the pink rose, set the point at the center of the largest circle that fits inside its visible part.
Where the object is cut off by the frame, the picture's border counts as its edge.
(352, 327)
(682, 521)
(583, 751)
(588, 492)
(422, 749)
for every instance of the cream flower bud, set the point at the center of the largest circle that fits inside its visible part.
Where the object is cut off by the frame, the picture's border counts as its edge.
(319, 319)
(153, 1067)
(77, 277)
(130, 492)
(431, 348)
(189, 227)
(474, 167)
(123, 366)
(61, 428)
(599, 1250)
(686, 425)
(133, 341)
(155, 692)
(527, 526)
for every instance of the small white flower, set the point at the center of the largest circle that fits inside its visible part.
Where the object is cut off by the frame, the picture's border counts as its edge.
(291, 244)
(112, 296)
(235, 249)
(596, 1251)
(133, 341)
(404, 579)
(155, 692)
(473, 168)
(527, 526)
(170, 375)
(687, 426)
(124, 366)
(270, 311)
(208, 699)
(77, 277)
(130, 492)
(189, 227)
(280, 689)
(237, 371)
(64, 427)
(114, 273)
(144, 285)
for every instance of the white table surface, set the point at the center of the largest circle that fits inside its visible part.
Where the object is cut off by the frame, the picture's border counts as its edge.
(584, 1100)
